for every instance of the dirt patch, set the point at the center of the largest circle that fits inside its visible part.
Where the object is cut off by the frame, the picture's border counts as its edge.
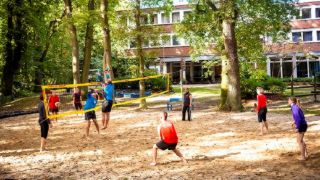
(217, 145)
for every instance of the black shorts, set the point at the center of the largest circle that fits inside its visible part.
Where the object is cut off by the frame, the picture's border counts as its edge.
(78, 106)
(262, 114)
(44, 127)
(56, 110)
(90, 115)
(303, 128)
(106, 106)
(163, 146)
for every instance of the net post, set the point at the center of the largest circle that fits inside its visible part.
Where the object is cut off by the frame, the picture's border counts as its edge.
(168, 82)
(45, 102)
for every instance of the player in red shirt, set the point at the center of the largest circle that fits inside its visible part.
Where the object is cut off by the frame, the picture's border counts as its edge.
(262, 109)
(54, 100)
(168, 139)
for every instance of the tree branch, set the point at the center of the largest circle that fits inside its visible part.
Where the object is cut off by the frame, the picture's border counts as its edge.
(212, 5)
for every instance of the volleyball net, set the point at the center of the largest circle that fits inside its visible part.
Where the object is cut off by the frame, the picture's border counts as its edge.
(66, 98)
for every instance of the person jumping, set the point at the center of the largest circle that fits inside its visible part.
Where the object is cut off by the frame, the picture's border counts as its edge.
(107, 104)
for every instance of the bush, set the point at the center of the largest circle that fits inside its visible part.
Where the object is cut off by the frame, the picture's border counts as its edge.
(156, 84)
(270, 84)
(305, 79)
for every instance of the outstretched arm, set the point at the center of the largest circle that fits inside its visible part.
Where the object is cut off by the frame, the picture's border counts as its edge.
(159, 133)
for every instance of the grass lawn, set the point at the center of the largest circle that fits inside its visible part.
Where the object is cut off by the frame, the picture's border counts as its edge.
(212, 90)
(298, 91)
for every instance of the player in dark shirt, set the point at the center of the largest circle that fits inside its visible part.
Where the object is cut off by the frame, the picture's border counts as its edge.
(44, 123)
(187, 104)
(77, 99)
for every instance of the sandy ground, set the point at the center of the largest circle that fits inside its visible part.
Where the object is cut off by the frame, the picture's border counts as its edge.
(217, 145)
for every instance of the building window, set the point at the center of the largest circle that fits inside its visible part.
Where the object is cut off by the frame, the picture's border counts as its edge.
(317, 12)
(166, 40)
(275, 69)
(296, 36)
(176, 41)
(287, 69)
(314, 67)
(175, 17)
(302, 69)
(133, 44)
(186, 14)
(307, 36)
(305, 13)
(165, 18)
(318, 35)
(154, 19)
(144, 19)
(145, 43)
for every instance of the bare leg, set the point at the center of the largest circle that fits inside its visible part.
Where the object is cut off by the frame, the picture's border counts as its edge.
(301, 145)
(266, 125)
(87, 128)
(154, 155)
(107, 119)
(97, 125)
(178, 153)
(261, 128)
(42, 144)
(55, 113)
(305, 150)
(103, 120)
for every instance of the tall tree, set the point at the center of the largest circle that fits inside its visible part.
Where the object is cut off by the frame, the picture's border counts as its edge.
(107, 56)
(236, 28)
(43, 51)
(134, 21)
(15, 44)
(140, 56)
(88, 44)
(74, 43)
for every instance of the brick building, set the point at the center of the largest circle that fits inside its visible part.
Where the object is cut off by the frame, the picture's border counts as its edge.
(173, 51)
(299, 56)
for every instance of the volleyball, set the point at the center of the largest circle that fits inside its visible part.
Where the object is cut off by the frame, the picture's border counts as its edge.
(57, 104)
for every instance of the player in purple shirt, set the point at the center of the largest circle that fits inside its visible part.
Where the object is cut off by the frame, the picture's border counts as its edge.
(300, 124)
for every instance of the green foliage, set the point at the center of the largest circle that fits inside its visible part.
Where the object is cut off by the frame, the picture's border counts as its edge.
(305, 79)
(251, 80)
(256, 19)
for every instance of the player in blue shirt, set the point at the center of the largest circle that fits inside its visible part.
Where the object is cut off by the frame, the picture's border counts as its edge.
(107, 103)
(91, 103)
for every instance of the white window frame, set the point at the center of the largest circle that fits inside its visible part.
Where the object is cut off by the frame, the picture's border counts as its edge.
(314, 34)
(313, 12)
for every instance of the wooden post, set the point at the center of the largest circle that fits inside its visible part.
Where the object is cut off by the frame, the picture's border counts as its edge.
(315, 87)
(292, 92)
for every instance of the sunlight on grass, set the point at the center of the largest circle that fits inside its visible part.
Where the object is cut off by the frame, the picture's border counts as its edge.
(213, 90)
(298, 91)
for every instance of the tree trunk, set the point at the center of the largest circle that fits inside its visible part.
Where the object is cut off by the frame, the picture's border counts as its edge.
(39, 74)
(39, 70)
(106, 37)
(88, 45)
(74, 43)
(15, 45)
(224, 84)
(140, 55)
(230, 44)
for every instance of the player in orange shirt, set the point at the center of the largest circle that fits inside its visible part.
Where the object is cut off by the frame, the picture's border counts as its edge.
(168, 139)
